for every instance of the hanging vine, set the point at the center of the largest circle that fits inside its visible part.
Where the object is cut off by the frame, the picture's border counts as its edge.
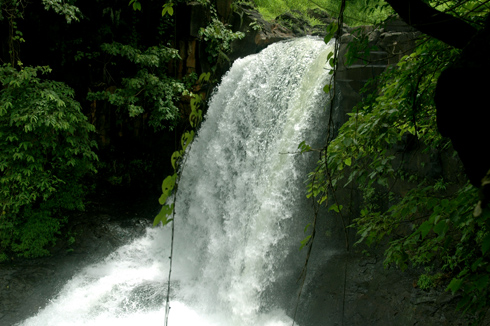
(334, 31)
(432, 224)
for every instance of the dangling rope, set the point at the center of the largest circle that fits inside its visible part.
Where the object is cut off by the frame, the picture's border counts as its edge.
(179, 174)
(340, 22)
(167, 303)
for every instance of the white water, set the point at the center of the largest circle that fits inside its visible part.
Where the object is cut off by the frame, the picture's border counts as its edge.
(238, 225)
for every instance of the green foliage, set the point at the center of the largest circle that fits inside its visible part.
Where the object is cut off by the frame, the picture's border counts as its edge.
(46, 150)
(150, 89)
(428, 281)
(331, 30)
(401, 108)
(433, 223)
(69, 11)
(255, 25)
(360, 49)
(40, 229)
(357, 12)
(12, 10)
(169, 184)
(136, 5)
(218, 38)
(168, 9)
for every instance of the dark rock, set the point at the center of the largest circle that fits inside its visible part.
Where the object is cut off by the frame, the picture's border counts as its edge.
(259, 32)
(396, 24)
(198, 17)
(224, 8)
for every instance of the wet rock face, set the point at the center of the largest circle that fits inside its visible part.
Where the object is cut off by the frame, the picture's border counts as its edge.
(365, 294)
(350, 288)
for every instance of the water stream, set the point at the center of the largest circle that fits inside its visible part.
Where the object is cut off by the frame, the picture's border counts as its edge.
(240, 210)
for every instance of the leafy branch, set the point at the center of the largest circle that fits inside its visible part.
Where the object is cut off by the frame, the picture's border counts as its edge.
(170, 183)
(46, 151)
(443, 234)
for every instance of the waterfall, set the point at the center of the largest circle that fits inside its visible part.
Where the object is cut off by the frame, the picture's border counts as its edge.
(240, 210)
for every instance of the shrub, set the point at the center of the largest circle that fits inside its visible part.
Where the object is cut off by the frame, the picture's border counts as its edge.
(46, 150)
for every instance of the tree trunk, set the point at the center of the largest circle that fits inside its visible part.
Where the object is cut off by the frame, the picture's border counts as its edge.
(444, 27)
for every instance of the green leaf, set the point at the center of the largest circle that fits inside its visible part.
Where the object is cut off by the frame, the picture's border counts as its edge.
(454, 285)
(336, 208)
(222, 54)
(327, 88)
(304, 147)
(441, 227)
(476, 264)
(425, 228)
(163, 199)
(186, 139)
(306, 227)
(463, 302)
(348, 161)
(195, 117)
(331, 29)
(169, 184)
(136, 5)
(305, 242)
(164, 215)
(481, 282)
(195, 100)
(205, 76)
(485, 243)
(168, 8)
(175, 158)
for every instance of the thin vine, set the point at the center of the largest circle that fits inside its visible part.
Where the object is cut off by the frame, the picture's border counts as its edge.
(334, 30)
(430, 226)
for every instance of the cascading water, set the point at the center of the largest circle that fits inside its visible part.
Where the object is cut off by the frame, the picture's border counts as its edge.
(240, 210)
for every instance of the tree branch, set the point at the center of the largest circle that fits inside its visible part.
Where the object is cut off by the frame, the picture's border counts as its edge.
(444, 27)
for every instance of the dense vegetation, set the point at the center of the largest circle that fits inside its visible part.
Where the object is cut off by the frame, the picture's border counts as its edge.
(103, 84)
(358, 12)
(101, 88)
(415, 196)
(46, 150)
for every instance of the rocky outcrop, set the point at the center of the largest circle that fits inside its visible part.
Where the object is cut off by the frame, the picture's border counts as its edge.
(259, 33)
(352, 289)
(388, 44)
